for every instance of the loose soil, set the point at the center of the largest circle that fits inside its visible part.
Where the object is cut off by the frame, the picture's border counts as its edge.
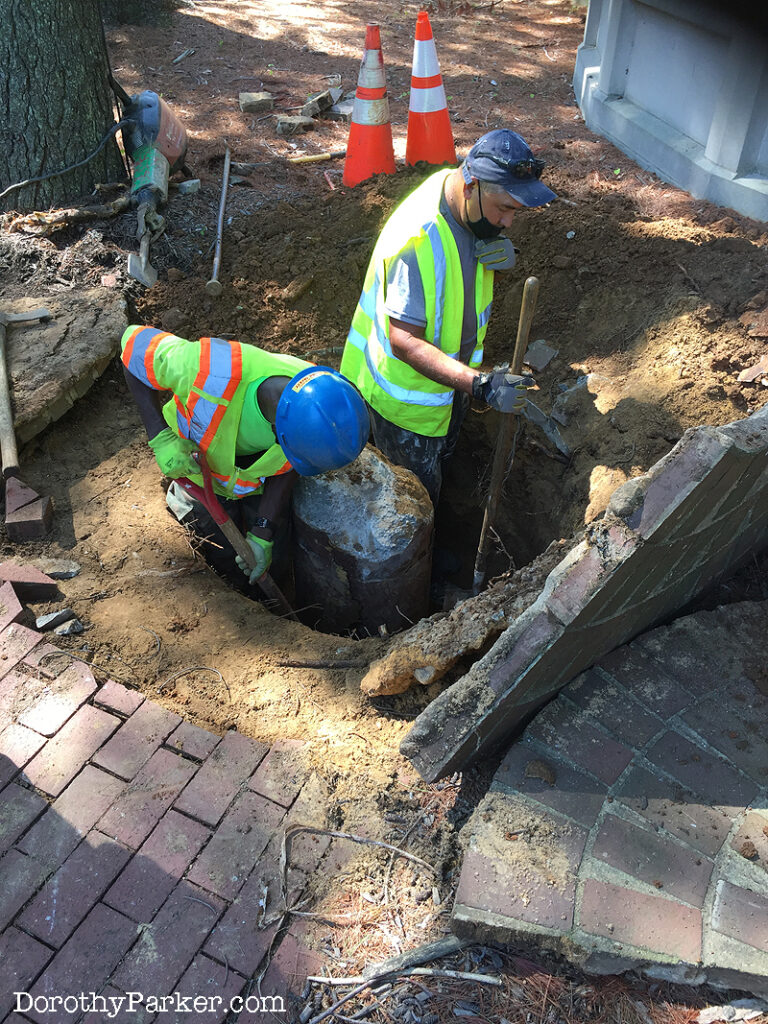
(657, 299)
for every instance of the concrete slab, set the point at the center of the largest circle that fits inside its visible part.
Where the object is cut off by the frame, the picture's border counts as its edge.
(666, 536)
(670, 875)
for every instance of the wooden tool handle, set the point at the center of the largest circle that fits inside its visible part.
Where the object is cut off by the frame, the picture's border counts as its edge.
(8, 450)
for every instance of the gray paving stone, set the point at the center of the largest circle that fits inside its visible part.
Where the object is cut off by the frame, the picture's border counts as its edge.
(710, 776)
(614, 708)
(646, 681)
(741, 914)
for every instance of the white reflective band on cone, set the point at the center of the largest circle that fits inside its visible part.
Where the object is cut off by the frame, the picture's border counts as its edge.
(425, 59)
(372, 78)
(370, 111)
(427, 101)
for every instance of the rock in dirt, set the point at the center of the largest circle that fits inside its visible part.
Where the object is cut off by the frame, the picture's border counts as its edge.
(57, 568)
(54, 619)
(71, 628)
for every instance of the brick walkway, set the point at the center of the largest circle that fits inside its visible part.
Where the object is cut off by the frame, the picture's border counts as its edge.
(629, 825)
(139, 852)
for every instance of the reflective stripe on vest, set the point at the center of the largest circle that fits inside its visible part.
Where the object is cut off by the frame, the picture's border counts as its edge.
(139, 354)
(221, 370)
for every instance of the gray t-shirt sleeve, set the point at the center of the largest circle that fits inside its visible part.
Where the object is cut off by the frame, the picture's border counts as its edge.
(405, 293)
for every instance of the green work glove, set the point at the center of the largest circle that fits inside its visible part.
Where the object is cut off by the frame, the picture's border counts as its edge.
(502, 390)
(174, 454)
(262, 552)
(496, 254)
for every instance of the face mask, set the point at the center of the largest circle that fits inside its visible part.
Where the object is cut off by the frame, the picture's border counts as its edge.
(482, 228)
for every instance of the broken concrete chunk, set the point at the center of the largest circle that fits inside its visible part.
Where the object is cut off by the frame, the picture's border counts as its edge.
(256, 102)
(321, 101)
(288, 124)
(341, 111)
(57, 568)
(53, 619)
(539, 355)
(70, 628)
(186, 188)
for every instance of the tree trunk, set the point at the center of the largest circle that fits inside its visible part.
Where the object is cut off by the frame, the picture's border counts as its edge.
(55, 101)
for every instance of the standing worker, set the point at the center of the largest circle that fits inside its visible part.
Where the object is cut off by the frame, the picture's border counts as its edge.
(261, 419)
(416, 340)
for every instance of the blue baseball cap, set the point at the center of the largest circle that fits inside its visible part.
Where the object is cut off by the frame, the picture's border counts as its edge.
(503, 158)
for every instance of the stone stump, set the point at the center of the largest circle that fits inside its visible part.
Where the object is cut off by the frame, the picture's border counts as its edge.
(363, 547)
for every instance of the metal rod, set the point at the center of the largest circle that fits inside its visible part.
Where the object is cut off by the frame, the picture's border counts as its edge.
(213, 287)
(504, 438)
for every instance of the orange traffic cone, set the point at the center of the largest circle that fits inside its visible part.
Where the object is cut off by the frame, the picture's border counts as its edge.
(369, 149)
(429, 128)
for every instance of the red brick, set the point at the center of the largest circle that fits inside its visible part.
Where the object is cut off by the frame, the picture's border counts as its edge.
(18, 494)
(68, 896)
(281, 774)
(646, 681)
(180, 927)
(239, 841)
(653, 858)
(206, 980)
(701, 771)
(136, 740)
(72, 815)
(741, 914)
(221, 777)
(116, 697)
(288, 969)
(32, 522)
(733, 729)
(20, 878)
(158, 865)
(576, 586)
(570, 792)
(48, 661)
(15, 690)
(113, 1007)
(85, 962)
(28, 582)
(141, 805)
(63, 756)
(647, 922)
(22, 959)
(18, 809)
(306, 849)
(59, 700)
(192, 741)
(15, 644)
(10, 606)
(614, 708)
(17, 746)
(573, 735)
(535, 637)
(751, 841)
(667, 805)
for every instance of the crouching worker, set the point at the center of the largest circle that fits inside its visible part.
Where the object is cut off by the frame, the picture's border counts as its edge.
(261, 419)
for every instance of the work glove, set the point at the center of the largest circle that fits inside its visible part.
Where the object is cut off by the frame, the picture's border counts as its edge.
(174, 454)
(496, 254)
(502, 390)
(262, 552)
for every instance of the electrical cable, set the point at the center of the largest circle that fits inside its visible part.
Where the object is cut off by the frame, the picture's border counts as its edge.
(57, 174)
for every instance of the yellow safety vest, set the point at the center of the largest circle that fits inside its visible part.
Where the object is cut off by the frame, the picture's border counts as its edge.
(394, 389)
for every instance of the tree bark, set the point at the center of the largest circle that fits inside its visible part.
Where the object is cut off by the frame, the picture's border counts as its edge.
(55, 102)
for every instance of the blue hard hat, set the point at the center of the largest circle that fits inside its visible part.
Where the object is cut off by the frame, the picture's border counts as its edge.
(321, 421)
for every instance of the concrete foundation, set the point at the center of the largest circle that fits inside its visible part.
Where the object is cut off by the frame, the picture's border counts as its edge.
(363, 547)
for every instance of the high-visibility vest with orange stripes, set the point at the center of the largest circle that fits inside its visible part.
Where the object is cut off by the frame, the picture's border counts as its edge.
(209, 379)
(397, 391)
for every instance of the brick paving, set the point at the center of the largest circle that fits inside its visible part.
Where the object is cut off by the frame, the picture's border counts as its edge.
(657, 758)
(136, 849)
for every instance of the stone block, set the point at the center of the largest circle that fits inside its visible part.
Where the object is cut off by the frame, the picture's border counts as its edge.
(116, 697)
(137, 740)
(575, 737)
(614, 708)
(15, 644)
(18, 809)
(59, 700)
(741, 914)
(140, 806)
(85, 962)
(667, 805)
(32, 522)
(533, 772)
(29, 583)
(10, 606)
(699, 770)
(653, 858)
(282, 773)
(256, 102)
(179, 929)
(18, 746)
(192, 741)
(20, 878)
(71, 892)
(22, 959)
(71, 815)
(294, 124)
(642, 921)
(236, 846)
(158, 865)
(221, 777)
(64, 755)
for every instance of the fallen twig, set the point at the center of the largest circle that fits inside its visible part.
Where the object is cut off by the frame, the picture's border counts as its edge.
(321, 664)
(184, 671)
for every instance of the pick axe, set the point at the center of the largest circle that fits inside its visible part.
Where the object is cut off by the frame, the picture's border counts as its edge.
(28, 516)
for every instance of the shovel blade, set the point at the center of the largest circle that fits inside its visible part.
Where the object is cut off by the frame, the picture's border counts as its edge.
(143, 273)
